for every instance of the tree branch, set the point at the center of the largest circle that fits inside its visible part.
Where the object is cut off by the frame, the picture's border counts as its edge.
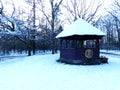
(1, 8)
(58, 6)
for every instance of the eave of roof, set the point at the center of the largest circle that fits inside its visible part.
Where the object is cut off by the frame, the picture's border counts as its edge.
(80, 27)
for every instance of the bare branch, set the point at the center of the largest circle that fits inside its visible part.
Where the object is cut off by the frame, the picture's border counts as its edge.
(46, 16)
(58, 5)
(92, 15)
(43, 11)
(20, 39)
(83, 9)
(13, 8)
(1, 8)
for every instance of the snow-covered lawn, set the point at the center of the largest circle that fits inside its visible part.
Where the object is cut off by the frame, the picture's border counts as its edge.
(42, 72)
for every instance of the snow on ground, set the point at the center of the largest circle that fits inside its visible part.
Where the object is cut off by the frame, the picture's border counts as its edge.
(42, 72)
(111, 51)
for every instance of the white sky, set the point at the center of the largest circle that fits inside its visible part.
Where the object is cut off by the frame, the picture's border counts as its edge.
(107, 3)
(20, 4)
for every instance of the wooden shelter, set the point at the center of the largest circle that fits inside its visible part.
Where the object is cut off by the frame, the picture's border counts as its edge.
(80, 43)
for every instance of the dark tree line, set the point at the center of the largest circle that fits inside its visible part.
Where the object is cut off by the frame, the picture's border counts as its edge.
(110, 24)
(35, 29)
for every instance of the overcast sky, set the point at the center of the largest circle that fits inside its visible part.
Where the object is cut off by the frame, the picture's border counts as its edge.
(20, 3)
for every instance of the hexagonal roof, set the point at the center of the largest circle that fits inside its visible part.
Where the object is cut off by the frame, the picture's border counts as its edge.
(80, 27)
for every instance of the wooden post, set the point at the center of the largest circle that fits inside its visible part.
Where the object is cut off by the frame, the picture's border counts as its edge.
(97, 45)
(66, 44)
(61, 41)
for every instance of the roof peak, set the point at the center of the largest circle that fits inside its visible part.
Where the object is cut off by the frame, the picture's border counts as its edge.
(80, 27)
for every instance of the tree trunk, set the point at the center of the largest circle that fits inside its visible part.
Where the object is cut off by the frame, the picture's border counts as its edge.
(29, 47)
(29, 51)
(34, 19)
(33, 47)
(52, 26)
(53, 46)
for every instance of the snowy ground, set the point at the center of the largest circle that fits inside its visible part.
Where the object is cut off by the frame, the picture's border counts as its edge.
(42, 72)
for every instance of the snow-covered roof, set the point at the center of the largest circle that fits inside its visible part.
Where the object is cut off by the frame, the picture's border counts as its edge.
(80, 27)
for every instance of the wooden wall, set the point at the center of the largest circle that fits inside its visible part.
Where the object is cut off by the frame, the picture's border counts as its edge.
(77, 53)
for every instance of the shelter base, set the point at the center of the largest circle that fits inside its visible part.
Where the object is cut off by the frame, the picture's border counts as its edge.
(81, 62)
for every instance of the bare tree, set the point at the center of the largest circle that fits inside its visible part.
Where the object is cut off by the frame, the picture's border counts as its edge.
(7, 24)
(82, 9)
(51, 16)
(12, 26)
(114, 12)
(32, 3)
(107, 24)
(17, 28)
